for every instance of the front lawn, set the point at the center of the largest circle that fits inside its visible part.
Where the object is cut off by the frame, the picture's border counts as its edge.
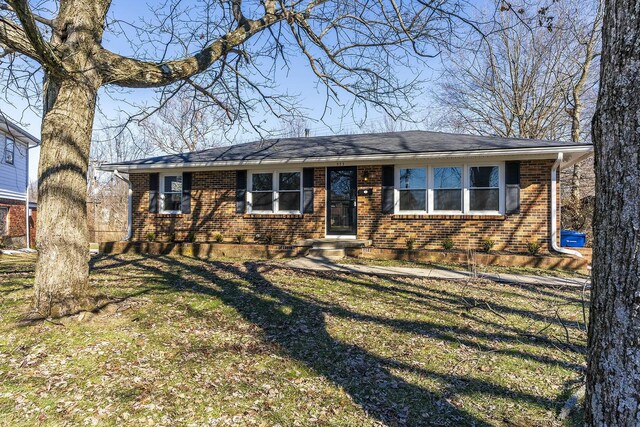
(193, 342)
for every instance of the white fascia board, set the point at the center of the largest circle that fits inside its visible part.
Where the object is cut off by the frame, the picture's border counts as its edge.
(519, 153)
(18, 134)
(12, 195)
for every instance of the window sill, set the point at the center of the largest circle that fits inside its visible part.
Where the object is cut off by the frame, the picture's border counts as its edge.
(273, 215)
(481, 217)
(169, 214)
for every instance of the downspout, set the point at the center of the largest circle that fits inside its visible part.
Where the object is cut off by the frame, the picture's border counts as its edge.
(26, 197)
(130, 205)
(554, 211)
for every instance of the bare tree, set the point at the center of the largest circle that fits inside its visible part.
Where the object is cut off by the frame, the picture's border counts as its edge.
(353, 48)
(613, 359)
(530, 77)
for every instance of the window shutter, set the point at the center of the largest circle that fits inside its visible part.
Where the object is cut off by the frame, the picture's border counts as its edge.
(307, 190)
(154, 187)
(241, 191)
(387, 189)
(512, 193)
(187, 178)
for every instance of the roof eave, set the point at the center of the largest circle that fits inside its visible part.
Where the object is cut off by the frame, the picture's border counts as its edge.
(586, 149)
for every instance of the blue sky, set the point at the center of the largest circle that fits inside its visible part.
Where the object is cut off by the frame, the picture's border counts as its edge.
(299, 80)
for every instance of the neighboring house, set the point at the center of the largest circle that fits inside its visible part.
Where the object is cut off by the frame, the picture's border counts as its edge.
(14, 180)
(388, 188)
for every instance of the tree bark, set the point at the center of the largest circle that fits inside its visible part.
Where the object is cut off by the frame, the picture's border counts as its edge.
(62, 270)
(613, 372)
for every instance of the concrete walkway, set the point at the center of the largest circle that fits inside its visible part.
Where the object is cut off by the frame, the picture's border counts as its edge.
(320, 264)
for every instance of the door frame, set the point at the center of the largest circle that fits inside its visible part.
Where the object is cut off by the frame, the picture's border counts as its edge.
(351, 234)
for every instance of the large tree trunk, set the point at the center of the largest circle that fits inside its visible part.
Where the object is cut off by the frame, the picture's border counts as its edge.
(62, 271)
(613, 372)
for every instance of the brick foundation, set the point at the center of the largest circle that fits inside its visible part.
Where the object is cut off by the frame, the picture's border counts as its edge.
(16, 232)
(213, 211)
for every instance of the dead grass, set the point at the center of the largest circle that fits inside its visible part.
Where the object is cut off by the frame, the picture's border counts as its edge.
(246, 343)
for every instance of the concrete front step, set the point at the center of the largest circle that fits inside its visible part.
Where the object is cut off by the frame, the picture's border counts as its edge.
(334, 243)
(326, 253)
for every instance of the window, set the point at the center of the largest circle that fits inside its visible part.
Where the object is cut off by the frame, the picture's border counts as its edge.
(289, 191)
(413, 189)
(4, 221)
(171, 194)
(447, 189)
(484, 188)
(262, 192)
(275, 192)
(9, 148)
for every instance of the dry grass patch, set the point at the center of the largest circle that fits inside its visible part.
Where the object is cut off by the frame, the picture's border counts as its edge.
(248, 343)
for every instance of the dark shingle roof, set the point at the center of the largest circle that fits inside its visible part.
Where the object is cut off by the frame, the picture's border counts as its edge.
(319, 147)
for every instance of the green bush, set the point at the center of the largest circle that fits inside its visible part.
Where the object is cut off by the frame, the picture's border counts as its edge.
(240, 238)
(410, 243)
(533, 248)
(487, 245)
(447, 244)
(268, 239)
(150, 236)
(218, 238)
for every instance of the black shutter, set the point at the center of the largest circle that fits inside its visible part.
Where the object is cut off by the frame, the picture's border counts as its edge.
(307, 190)
(154, 187)
(512, 181)
(187, 178)
(387, 189)
(241, 191)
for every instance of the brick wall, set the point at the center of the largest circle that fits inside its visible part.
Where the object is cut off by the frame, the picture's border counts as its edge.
(510, 232)
(17, 221)
(213, 211)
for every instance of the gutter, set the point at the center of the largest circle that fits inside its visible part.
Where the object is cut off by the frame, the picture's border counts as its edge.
(130, 205)
(555, 209)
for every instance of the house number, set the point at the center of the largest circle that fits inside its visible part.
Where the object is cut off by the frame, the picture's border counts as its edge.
(340, 164)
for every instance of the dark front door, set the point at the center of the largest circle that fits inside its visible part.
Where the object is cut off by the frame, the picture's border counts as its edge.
(341, 201)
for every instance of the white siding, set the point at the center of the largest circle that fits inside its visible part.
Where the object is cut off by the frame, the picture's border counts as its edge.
(13, 178)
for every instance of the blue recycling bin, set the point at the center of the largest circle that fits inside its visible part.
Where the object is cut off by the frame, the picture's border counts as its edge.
(572, 239)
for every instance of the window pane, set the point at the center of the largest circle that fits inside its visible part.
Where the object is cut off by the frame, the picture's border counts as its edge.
(413, 178)
(485, 176)
(262, 182)
(447, 200)
(289, 181)
(173, 184)
(484, 200)
(262, 201)
(172, 201)
(413, 200)
(447, 178)
(289, 201)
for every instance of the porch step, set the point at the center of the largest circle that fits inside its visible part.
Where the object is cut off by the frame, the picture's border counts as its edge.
(326, 253)
(334, 243)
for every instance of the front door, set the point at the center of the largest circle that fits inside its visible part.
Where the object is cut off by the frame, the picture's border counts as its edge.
(341, 201)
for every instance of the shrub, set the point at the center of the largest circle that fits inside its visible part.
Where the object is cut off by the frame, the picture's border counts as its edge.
(487, 245)
(172, 236)
(191, 237)
(268, 239)
(150, 236)
(533, 248)
(410, 243)
(240, 238)
(447, 244)
(218, 238)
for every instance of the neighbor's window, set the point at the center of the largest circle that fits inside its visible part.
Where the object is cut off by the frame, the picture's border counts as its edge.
(4, 221)
(9, 148)
(412, 189)
(447, 189)
(289, 191)
(484, 188)
(262, 192)
(171, 193)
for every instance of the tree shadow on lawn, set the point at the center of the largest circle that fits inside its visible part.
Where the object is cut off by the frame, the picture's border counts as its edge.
(302, 334)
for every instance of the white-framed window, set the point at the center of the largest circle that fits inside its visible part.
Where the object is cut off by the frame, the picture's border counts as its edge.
(275, 192)
(450, 189)
(447, 189)
(4, 221)
(411, 189)
(170, 193)
(484, 188)
(9, 150)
